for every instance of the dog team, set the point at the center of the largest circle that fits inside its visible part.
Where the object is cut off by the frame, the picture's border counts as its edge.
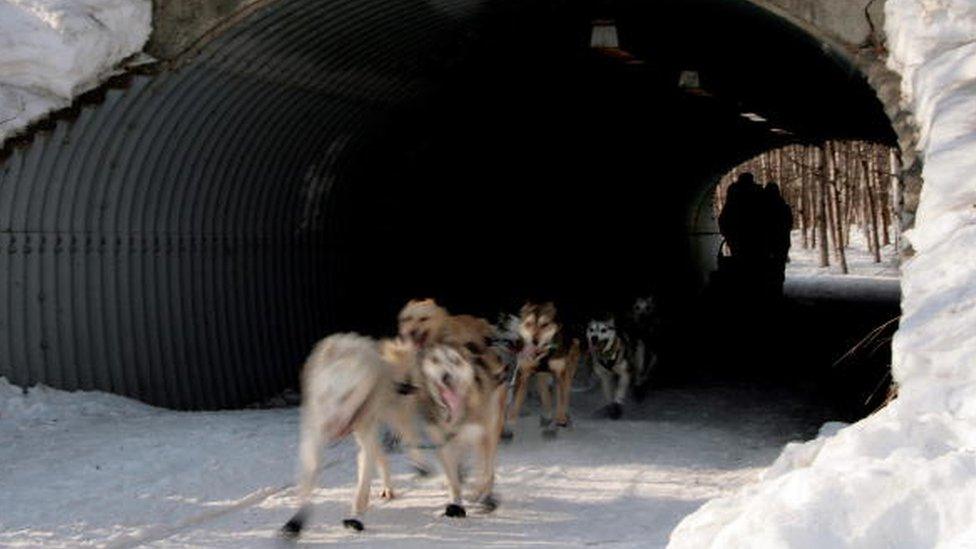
(461, 381)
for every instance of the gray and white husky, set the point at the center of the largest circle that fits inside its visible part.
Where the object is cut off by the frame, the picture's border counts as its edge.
(618, 363)
(352, 384)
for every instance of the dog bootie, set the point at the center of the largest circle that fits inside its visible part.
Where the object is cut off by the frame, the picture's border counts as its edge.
(455, 511)
(353, 524)
(293, 528)
(489, 503)
(548, 427)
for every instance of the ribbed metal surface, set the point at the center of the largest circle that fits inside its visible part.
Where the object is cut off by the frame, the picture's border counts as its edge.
(172, 243)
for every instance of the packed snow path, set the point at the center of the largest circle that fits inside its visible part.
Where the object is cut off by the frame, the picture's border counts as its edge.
(99, 469)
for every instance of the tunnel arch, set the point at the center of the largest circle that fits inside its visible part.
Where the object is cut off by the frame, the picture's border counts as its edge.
(194, 227)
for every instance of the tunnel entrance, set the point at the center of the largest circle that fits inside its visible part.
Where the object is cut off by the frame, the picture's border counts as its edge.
(189, 233)
(545, 168)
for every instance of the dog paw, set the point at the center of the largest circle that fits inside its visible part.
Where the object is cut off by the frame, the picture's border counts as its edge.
(544, 421)
(489, 503)
(549, 432)
(507, 435)
(353, 524)
(455, 511)
(387, 493)
(564, 423)
(640, 392)
(615, 411)
(291, 530)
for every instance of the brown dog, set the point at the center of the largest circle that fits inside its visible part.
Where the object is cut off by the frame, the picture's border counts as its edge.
(547, 354)
(427, 324)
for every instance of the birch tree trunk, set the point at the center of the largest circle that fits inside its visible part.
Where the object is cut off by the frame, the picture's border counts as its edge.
(833, 215)
(894, 168)
(821, 210)
(868, 165)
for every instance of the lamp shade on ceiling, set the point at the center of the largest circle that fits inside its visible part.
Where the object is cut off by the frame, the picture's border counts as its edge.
(604, 34)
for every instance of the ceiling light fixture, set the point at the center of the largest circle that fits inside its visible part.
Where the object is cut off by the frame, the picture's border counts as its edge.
(753, 117)
(604, 35)
(689, 80)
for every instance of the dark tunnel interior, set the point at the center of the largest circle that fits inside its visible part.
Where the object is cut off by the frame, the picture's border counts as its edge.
(541, 168)
(524, 165)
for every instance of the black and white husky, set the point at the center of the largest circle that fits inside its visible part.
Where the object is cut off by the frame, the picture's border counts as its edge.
(619, 364)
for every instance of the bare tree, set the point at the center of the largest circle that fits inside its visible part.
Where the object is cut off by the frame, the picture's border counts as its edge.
(831, 187)
(833, 212)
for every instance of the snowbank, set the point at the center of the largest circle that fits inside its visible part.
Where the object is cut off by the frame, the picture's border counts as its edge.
(53, 50)
(906, 476)
(90, 468)
(45, 404)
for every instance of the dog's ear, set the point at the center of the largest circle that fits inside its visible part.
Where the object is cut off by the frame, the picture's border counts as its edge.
(526, 309)
(548, 309)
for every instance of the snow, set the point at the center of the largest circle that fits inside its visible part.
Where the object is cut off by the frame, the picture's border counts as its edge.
(54, 50)
(92, 468)
(865, 281)
(905, 476)
(860, 262)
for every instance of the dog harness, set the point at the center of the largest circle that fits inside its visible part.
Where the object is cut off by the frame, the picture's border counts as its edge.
(608, 358)
(547, 353)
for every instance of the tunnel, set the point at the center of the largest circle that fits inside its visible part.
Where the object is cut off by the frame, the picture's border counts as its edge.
(184, 233)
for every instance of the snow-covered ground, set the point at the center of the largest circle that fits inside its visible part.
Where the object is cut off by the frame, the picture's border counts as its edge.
(54, 50)
(860, 262)
(865, 281)
(92, 468)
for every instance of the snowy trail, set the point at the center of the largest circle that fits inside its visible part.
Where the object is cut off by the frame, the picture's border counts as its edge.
(90, 468)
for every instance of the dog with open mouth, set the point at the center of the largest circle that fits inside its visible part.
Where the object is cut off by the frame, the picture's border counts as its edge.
(612, 358)
(458, 403)
(551, 357)
(428, 324)
(350, 385)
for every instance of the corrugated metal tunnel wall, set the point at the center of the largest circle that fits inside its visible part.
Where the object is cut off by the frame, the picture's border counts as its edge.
(167, 244)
